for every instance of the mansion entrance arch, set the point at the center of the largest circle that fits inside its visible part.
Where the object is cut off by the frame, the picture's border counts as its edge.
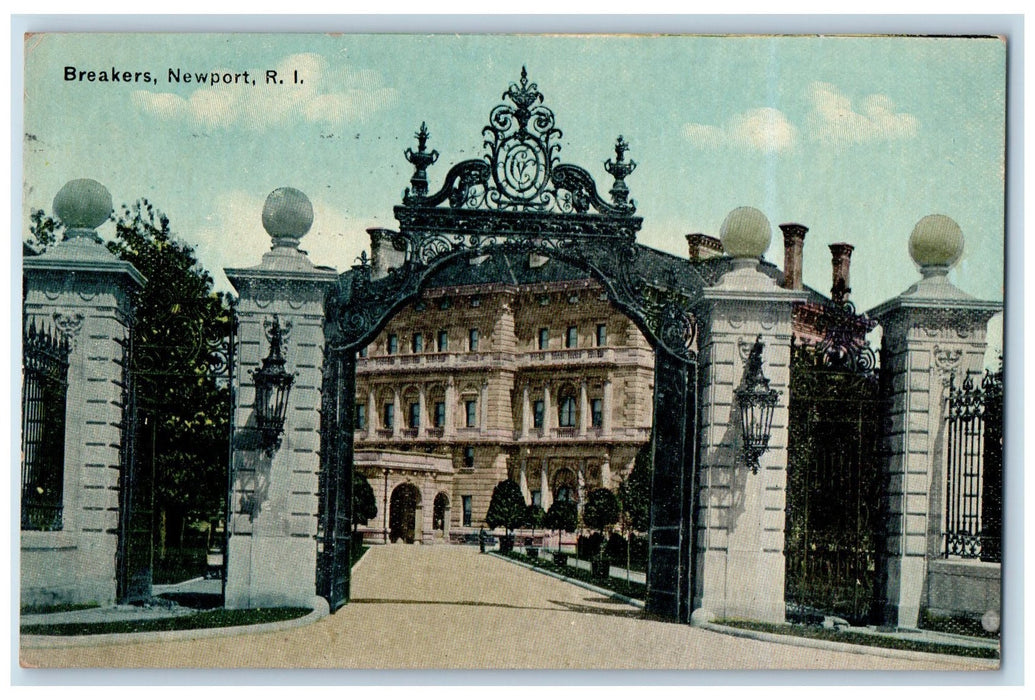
(519, 198)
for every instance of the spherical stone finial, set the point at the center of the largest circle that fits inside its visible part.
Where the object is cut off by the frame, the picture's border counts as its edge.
(936, 241)
(287, 216)
(82, 204)
(745, 233)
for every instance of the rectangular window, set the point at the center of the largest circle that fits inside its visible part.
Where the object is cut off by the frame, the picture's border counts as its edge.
(363, 351)
(472, 340)
(393, 343)
(598, 412)
(468, 457)
(601, 335)
(537, 498)
(571, 340)
(544, 338)
(414, 415)
(538, 408)
(466, 500)
(566, 412)
(472, 413)
(417, 345)
(440, 414)
(389, 416)
(361, 416)
(443, 341)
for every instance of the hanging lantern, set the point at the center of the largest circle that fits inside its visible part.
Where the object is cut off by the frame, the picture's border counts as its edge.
(756, 403)
(272, 388)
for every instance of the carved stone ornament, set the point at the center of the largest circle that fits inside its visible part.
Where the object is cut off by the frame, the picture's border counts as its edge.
(69, 324)
(947, 359)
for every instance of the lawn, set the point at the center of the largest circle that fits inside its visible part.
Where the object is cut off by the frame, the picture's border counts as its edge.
(630, 589)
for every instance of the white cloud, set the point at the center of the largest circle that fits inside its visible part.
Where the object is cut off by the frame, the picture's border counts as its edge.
(764, 129)
(333, 240)
(326, 95)
(835, 120)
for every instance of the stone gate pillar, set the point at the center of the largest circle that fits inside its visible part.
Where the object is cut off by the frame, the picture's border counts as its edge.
(739, 536)
(931, 332)
(79, 290)
(274, 502)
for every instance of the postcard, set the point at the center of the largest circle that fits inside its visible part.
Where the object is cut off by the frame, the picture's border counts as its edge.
(400, 351)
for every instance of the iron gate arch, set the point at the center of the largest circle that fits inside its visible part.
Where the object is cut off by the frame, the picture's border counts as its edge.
(519, 198)
(835, 477)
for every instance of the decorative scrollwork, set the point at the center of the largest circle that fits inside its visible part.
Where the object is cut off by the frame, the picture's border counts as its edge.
(844, 345)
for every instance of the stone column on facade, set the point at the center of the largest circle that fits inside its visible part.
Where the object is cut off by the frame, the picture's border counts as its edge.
(398, 416)
(583, 406)
(483, 407)
(547, 422)
(77, 290)
(526, 409)
(523, 480)
(932, 332)
(422, 411)
(275, 492)
(372, 414)
(605, 425)
(740, 526)
(605, 470)
(580, 486)
(450, 399)
(545, 495)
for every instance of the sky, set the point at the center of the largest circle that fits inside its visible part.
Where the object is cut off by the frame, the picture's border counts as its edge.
(855, 138)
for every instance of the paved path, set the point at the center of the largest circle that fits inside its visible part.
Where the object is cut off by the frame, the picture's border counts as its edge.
(447, 607)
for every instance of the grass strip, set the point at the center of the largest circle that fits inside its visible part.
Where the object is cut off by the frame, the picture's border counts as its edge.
(630, 589)
(57, 608)
(202, 620)
(863, 639)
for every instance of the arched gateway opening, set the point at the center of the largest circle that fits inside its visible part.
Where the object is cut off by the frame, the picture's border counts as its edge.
(402, 514)
(519, 199)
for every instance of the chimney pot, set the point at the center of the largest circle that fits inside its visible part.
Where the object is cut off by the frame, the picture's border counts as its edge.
(793, 245)
(841, 263)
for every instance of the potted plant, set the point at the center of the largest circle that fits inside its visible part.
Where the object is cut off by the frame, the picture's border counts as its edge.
(563, 516)
(506, 510)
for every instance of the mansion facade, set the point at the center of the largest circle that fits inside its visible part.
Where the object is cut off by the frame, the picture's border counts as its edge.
(514, 367)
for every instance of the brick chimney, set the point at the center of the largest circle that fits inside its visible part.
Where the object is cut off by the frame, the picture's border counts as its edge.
(841, 262)
(703, 247)
(383, 254)
(793, 244)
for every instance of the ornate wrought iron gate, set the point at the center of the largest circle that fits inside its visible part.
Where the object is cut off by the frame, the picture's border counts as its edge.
(519, 198)
(974, 469)
(44, 388)
(834, 472)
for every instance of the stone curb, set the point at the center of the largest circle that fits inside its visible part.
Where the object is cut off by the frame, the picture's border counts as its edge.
(862, 649)
(38, 641)
(581, 584)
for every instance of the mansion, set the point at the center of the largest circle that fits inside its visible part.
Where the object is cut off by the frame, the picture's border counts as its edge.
(516, 366)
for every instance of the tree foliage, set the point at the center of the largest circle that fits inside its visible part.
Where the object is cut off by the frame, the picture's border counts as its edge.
(601, 510)
(635, 493)
(563, 516)
(364, 504)
(507, 507)
(43, 230)
(535, 516)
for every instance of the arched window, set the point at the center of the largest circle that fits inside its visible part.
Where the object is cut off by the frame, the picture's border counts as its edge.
(565, 485)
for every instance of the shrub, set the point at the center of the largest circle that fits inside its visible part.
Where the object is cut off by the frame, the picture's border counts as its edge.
(589, 547)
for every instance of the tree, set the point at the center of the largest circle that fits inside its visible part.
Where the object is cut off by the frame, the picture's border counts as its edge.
(601, 510)
(506, 507)
(535, 516)
(563, 516)
(364, 504)
(635, 492)
(179, 330)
